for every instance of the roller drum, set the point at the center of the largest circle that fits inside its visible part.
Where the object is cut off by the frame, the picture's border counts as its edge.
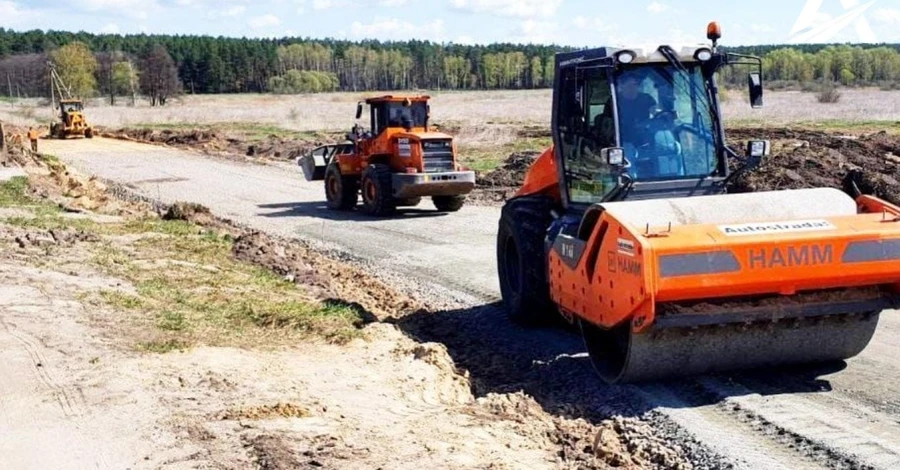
(621, 356)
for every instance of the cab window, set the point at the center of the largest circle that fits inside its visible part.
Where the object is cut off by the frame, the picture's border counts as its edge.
(586, 125)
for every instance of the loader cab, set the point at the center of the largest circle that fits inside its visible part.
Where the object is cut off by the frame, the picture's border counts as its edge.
(69, 107)
(396, 113)
(640, 123)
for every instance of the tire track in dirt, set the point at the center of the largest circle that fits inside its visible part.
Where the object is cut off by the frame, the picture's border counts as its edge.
(71, 402)
(723, 432)
(833, 433)
(71, 405)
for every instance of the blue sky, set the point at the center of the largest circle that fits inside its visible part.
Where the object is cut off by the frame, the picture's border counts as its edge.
(568, 22)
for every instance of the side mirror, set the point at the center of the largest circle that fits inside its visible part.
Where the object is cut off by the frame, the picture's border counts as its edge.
(358, 110)
(758, 148)
(756, 90)
(614, 156)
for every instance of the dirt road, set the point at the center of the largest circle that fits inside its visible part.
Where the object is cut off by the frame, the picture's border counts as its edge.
(783, 419)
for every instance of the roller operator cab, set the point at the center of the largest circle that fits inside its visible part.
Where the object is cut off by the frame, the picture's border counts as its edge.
(395, 162)
(623, 227)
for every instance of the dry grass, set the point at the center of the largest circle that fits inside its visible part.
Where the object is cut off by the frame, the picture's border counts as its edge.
(314, 112)
(856, 106)
(481, 117)
(486, 124)
(182, 286)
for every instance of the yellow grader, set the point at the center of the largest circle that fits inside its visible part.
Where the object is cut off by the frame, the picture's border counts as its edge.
(72, 121)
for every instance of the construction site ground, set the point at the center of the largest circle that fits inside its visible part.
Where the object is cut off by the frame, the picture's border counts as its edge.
(440, 377)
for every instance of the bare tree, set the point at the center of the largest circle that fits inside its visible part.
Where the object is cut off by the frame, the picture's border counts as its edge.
(159, 76)
(106, 61)
(25, 75)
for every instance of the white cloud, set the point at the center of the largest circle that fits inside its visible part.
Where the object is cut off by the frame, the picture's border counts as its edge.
(464, 39)
(14, 15)
(9, 11)
(234, 11)
(323, 4)
(593, 24)
(888, 15)
(536, 32)
(761, 28)
(392, 3)
(397, 29)
(657, 8)
(264, 21)
(128, 8)
(110, 28)
(514, 8)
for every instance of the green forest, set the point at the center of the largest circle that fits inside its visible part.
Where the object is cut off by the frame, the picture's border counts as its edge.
(159, 66)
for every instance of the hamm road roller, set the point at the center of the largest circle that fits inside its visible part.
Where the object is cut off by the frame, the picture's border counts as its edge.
(623, 227)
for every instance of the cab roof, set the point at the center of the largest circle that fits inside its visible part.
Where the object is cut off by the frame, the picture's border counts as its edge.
(69, 101)
(646, 53)
(397, 98)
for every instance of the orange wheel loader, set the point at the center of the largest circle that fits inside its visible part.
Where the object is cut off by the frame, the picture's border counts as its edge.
(397, 162)
(623, 227)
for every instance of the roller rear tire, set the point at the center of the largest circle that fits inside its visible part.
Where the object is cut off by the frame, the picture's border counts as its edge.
(521, 261)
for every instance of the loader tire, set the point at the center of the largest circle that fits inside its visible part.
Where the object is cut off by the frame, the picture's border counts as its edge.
(521, 260)
(89, 133)
(409, 202)
(448, 203)
(341, 192)
(377, 196)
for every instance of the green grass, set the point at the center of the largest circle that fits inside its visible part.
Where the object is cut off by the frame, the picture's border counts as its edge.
(50, 219)
(163, 346)
(194, 292)
(252, 132)
(121, 300)
(483, 160)
(188, 288)
(172, 321)
(827, 125)
(14, 192)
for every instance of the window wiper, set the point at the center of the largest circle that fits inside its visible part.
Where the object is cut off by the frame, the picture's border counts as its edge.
(622, 189)
(673, 59)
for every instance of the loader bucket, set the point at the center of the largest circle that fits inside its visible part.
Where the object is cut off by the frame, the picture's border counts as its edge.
(695, 285)
(313, 167)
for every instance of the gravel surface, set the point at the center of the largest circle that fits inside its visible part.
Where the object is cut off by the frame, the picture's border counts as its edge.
(775, 419)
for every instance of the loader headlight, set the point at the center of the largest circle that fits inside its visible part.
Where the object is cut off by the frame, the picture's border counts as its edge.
(758, 148)
(625, 57)
(703, 54)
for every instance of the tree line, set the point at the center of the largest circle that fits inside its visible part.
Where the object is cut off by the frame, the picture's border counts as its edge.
(207, 64)
(844, 64)
(161, 65)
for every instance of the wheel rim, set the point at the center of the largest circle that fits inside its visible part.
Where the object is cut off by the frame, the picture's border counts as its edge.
(332, 186)
(512, 262)
(370, 190)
